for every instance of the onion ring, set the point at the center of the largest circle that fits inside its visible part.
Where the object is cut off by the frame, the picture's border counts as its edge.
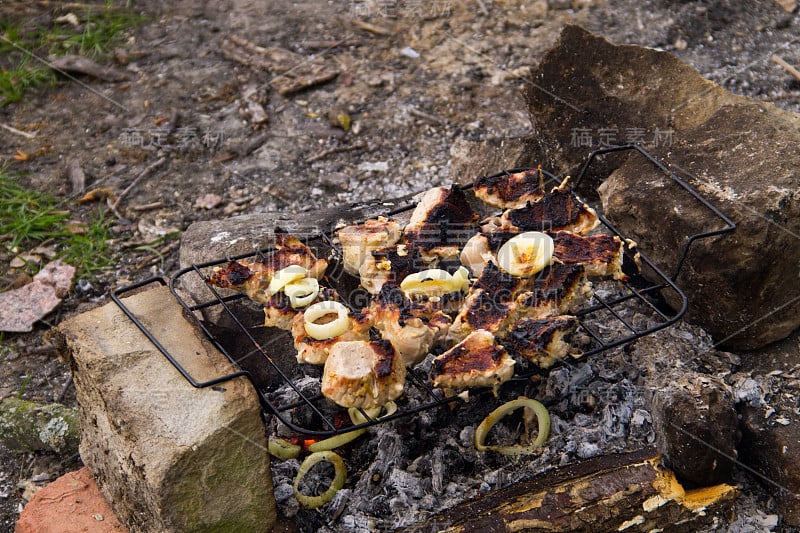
(435, 282)
(282, 448)
(283, 276)
(542, 417)
(331, 329)
(301, 292)
(357, 418)
(526, 254)
(339, 478)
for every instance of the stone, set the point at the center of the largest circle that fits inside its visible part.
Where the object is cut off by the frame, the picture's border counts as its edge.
(696, 426)
(738, 153)
(72, 502)
(29, 426)
(770, 445)
(470, 160)
(22, 307)
(168, 456)
(211, 240)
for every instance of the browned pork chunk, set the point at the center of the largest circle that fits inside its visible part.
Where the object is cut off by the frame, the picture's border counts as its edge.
(252, 277)
(389, 265)
(477, 361)
(510, 190)
(314, 351)
(556, 210)
(542, 342)
(363, 374)
(601, 255)
(358, 241)
(440, 224)
(557, 290)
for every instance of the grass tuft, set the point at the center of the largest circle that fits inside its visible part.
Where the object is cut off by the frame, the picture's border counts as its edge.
(29, 218)
(101, 29)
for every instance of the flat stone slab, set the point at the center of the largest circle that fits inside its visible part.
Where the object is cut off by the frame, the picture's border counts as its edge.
(167, 456)
(71, 503)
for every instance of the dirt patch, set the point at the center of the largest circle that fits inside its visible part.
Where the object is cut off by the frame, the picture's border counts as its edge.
(411, 81)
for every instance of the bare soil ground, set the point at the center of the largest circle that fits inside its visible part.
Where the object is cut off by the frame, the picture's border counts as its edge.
(422, 76)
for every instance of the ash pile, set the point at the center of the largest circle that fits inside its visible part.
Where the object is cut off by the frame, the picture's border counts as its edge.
(404, 472)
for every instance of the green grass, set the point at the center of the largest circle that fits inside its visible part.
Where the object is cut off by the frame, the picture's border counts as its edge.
(29, 218)
(102, 28)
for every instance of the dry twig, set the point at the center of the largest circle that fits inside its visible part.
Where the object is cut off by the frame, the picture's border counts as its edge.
(335, 150)
(423, 115)
(144, 173)
(786, 66)
(18, 132)
(372, 28)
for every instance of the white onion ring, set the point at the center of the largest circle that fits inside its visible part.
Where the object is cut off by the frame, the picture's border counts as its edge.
(339, 478)
(526, 254)
(301, 292)
(331, 329)
(542, 417)
(435, 281)
(284, 276)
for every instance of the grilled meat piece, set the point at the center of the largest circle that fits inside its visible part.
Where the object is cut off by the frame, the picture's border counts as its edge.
(440, 224)
(389, 265)
(490, 304)
(279, 313)
(477, 361)
(557, 290)
(314, 351)
(412, 329)
(601, 255)
(542, 342)
(252, 277)
(510, 191)
(363, 374)
(360, 240)
(557, 210)
(482, 247)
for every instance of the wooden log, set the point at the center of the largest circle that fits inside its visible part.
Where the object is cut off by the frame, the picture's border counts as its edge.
(628, 492)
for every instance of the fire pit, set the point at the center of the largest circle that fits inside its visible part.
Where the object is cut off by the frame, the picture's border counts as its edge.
(421, 460)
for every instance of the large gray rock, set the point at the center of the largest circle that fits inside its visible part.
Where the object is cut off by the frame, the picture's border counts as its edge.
(739, 153)
(167, 456)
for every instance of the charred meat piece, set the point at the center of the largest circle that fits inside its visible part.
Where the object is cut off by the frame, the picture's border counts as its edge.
(557, 290)
(477, 361)
(314, 351)
(557, 210)
(358, 241)
(389, 265)
(440, 224)
(252, 277)
(601, 255)
(490, 303)
(363, 374)
(279, 313)
(510, 191)
(482, 247)
(412, 330)
(543, 342)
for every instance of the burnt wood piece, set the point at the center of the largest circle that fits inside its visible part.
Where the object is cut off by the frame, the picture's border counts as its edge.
(628, 492)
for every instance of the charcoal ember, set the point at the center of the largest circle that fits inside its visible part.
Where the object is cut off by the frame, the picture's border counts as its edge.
(696, 424)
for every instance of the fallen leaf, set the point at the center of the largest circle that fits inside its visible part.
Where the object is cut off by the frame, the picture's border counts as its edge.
(21, 308)
(344, 121)
(75, 226)
(21, 156)
(97, 195)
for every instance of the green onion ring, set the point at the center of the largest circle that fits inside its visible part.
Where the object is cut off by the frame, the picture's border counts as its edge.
(339, 478)
(282, 448)
(357, 418)
(542, 417)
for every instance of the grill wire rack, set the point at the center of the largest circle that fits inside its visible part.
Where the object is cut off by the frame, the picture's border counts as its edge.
(307, 413)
